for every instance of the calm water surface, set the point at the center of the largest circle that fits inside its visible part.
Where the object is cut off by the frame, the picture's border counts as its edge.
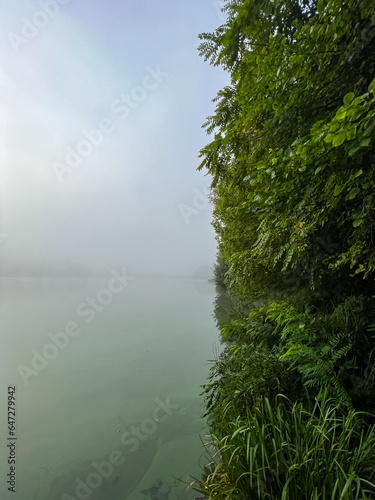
(116, 413)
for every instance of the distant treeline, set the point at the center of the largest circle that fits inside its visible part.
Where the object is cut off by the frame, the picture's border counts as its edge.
(47, 271)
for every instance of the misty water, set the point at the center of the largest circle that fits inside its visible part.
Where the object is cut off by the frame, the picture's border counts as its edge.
(116, 413)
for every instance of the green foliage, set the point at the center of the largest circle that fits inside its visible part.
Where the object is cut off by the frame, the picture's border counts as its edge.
(285, 451)
(241, 377)
(292, 160)
(319, 354)
(279, 349)
(220, 270)
(292, 155)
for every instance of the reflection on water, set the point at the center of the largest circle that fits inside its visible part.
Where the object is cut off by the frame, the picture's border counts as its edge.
(112, 476)
(116, 413)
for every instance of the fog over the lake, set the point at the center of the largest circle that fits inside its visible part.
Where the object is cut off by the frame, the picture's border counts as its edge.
(101, 110)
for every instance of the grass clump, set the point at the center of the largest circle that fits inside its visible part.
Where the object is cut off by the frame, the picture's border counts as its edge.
(284, 450)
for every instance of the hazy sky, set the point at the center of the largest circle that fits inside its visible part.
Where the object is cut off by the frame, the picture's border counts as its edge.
(125, 195)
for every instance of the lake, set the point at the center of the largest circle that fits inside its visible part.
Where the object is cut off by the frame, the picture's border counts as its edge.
(107, 374)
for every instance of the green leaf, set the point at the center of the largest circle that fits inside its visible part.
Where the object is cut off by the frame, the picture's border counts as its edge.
(348, 99)
(353, 151)
(328, 138)
(297, 141)
(320, 6)
(337, 190)
(341, 114)
(354, 114)
(353, 193)
(357, 174)
(351, 133)
(369, 130)
(357, 222)
(339, 139)
(334, 126)
(365, 143)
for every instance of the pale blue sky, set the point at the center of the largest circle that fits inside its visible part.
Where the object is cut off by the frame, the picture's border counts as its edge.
(65, 69)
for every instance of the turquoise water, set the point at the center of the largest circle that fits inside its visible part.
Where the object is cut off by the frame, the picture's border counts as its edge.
(114, 413)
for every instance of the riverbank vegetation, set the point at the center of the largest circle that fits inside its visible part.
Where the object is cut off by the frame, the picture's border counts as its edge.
(291, 398)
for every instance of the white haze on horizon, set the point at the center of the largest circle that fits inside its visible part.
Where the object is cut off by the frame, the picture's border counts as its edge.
(136, 199)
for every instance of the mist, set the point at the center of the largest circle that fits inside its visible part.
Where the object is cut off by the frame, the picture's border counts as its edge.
(100, 118)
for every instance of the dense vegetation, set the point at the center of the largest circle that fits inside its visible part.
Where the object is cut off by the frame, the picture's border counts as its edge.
(291, 398)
